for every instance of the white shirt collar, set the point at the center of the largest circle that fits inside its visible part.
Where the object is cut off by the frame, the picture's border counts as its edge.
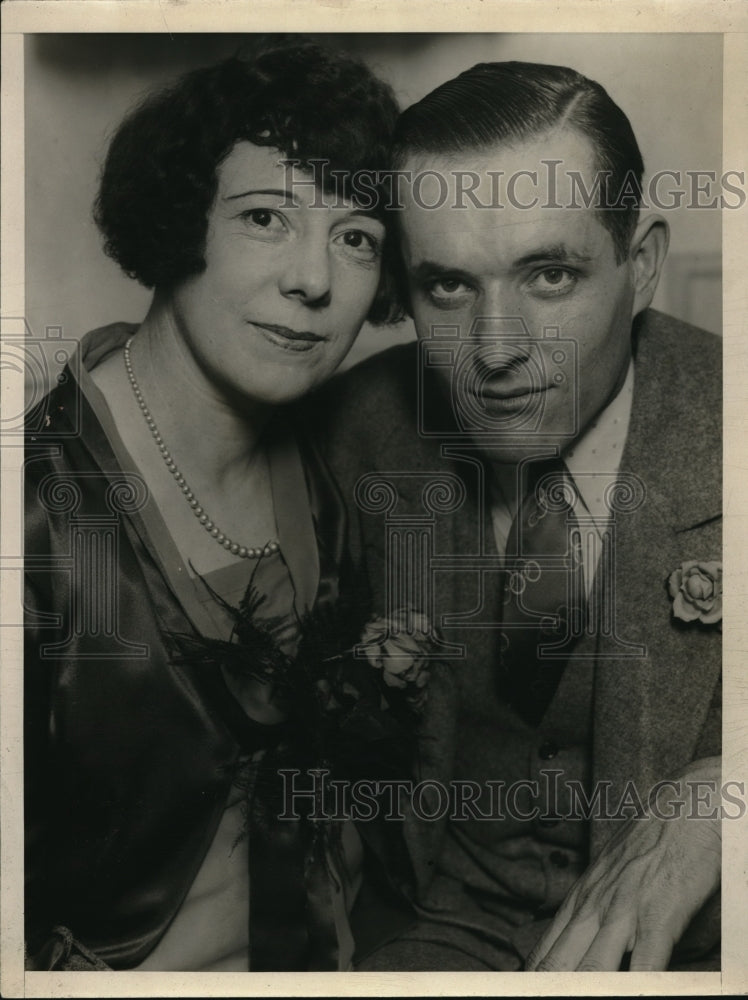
(593, 462)
(595, 458)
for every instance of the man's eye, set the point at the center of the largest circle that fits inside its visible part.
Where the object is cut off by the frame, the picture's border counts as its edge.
(447, 288)
(553, 281)
(359, 244)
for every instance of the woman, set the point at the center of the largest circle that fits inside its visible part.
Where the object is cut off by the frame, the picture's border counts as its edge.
(166, 487)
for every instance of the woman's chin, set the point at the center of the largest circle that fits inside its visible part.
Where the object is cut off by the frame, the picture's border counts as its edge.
(281, 388)
(281, 379)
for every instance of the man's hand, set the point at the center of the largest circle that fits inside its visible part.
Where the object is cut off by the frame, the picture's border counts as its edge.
(650, 880)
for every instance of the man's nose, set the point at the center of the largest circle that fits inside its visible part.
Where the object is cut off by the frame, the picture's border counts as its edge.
(486, 327)
(500, 314)
(500, 338)
(306, 274)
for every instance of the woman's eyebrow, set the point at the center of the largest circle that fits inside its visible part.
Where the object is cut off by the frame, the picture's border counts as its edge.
(362, 213)
(279, 192)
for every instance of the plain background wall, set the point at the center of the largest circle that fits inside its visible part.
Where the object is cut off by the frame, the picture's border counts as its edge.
(79, 86)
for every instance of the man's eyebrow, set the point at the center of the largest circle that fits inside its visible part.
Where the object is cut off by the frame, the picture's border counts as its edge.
(433, 269)
(278, 192)
(557, 252)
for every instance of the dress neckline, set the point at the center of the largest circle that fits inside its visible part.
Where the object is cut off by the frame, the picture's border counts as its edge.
(291, 500)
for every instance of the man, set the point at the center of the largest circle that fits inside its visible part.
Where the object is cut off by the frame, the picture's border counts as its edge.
(570, 561)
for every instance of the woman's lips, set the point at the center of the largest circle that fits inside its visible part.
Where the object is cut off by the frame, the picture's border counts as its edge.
(288, 339)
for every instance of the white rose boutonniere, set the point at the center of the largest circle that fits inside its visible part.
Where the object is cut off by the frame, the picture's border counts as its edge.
(696, 589)
(401, 646)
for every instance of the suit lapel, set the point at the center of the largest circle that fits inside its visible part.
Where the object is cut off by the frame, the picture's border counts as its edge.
(648, 710)
(463, 530)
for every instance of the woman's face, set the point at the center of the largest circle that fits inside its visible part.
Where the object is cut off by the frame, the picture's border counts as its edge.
(289, 279)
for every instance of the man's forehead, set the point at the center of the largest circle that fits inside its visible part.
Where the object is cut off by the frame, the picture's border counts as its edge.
(504, 234)
(494, 248)
(510, 199)
(567, 148)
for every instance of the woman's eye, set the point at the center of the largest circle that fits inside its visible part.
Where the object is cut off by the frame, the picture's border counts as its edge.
(360, 244)
(263, 219)
(554, 281)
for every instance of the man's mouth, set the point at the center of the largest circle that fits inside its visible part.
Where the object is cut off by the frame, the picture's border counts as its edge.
(511, 392)
(288, 339)
(510, 401)
(507, 391)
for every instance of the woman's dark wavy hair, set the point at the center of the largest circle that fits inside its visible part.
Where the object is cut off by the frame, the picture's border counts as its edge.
(159, 178)
(509, 101)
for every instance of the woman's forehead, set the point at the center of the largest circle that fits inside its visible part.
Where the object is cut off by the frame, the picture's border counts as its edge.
(265, 170)
(248, 166)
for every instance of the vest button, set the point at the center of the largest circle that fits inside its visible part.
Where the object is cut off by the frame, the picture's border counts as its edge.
(559, 859)
(548, 750)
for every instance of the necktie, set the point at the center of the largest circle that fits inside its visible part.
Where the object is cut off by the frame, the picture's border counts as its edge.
(543, 593)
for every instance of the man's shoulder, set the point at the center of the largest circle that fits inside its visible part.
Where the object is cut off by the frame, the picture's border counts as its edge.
(369, 402)
(678, 345)
(678, 373)
(389, 375)
(667, 324)
(675, 435)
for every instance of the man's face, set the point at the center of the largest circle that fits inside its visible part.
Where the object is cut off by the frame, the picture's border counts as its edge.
(519, 388)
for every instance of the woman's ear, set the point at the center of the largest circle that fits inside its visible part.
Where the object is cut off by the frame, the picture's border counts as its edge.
(647, 255)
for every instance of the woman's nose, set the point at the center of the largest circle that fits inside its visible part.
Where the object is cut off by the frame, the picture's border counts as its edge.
(307, 274)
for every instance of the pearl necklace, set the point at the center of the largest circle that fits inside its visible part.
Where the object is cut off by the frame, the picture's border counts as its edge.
(243, 551)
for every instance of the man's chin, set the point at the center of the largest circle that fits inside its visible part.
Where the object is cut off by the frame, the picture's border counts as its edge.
(512, 450)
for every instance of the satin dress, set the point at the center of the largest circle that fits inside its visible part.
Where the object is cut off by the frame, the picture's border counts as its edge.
(134, 810)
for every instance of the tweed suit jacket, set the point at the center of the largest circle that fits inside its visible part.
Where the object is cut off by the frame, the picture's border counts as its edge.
(652, 713)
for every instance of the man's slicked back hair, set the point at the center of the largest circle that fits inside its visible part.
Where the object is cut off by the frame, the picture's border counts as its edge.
(509, 102)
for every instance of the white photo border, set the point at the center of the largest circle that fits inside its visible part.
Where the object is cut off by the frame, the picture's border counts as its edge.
(728, 17)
